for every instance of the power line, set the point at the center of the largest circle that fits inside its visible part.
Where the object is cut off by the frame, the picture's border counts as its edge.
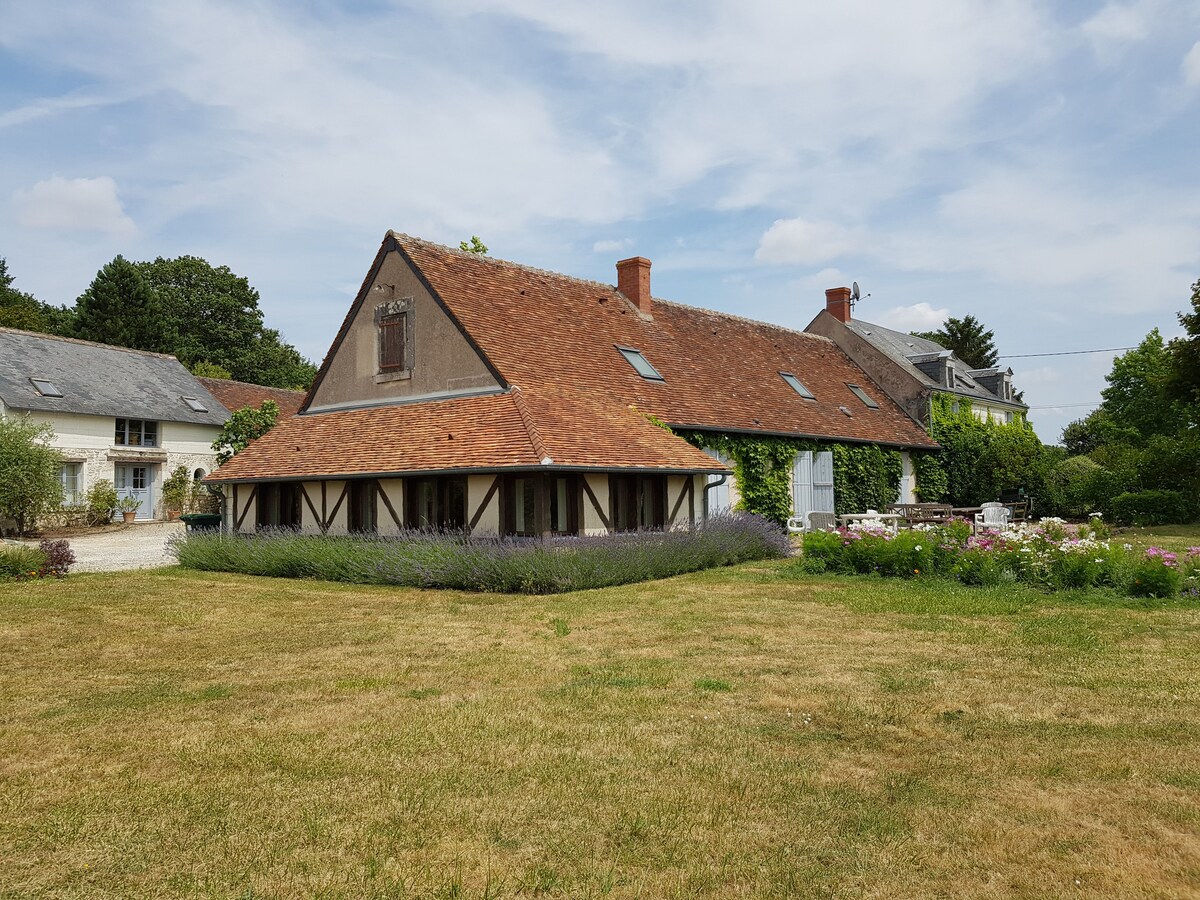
(1064, 353)
(1065, 406)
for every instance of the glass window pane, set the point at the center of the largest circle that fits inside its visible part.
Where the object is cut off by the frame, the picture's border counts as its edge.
(150, 434)
(640, 364)
(797, 385)
(120, 434)
(862, 395)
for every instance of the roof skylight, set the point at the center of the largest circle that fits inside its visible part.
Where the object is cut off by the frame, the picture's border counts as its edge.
(797, 385)
(862, 395)
(45, 388)
(195, 405)
(640, 364)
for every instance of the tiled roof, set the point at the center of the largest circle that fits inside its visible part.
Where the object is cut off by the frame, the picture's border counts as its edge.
(720, 371)
(100, 380)
(495, 431)
(238, 394)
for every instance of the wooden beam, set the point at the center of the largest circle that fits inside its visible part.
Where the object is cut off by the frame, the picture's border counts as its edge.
(338, 505)
(683, 492)
(487, 498)
(237, 526)
(587, 489)
(388, 503)
(311, 508)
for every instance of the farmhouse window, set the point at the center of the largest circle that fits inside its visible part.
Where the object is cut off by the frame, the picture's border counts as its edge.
(393, 334)
(136, 433)
(69, 476)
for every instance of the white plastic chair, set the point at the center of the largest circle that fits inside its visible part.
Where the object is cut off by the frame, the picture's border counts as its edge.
(994, 515)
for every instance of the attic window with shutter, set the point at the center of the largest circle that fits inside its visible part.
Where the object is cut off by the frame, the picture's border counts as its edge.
(640, 364)
(862, 395)
(394, 336)
(195, 405)
(45, 388)
(392, 355)
(797, 385)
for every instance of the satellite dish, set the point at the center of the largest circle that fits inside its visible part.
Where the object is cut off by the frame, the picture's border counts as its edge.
(854, 292)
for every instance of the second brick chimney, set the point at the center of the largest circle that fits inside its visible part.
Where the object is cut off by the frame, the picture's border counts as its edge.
(633, 280)
(837, 303)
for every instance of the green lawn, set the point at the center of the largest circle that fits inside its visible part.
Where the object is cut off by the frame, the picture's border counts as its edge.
(739, 733)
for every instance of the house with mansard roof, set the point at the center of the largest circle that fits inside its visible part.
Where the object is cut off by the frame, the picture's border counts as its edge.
(119, 415)
(912, 369)
(468, 392)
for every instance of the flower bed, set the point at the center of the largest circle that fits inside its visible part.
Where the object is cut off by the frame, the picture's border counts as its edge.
(20, 562)
(452, 560)
(1042, 554)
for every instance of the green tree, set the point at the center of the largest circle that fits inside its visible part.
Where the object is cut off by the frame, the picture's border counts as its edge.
(1138, 401)
(120, 308)
(18, 309)
(205, 369)
(1184, 377)
(243, 426)
(474, 245)
(29, 471)
(968, 338)
(214, 317)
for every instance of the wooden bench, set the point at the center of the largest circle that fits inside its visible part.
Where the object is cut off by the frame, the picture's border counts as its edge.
(923, 513)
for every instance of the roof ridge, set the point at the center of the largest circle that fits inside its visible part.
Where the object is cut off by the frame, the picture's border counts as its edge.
(505, 263)
(81, 342)
(746, 319)
(204, 379)
(535, 437)
(533, 270)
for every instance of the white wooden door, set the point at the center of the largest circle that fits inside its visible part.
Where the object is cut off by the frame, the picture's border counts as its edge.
(138, 482)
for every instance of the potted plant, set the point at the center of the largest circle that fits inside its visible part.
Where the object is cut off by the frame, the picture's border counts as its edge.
(129, 507)
(176, 491)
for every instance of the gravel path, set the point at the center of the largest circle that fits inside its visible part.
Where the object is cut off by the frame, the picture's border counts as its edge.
(135, 547)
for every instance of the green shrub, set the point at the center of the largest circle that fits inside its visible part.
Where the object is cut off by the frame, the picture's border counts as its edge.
(1152, 577)
(1152, 508)
(101, 502)
(19, 561)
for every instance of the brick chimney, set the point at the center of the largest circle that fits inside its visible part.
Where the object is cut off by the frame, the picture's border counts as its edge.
(633, 280)
(837, 303)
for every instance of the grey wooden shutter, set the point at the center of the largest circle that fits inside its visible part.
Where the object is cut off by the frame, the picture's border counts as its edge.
(802, 485)
(822, 481)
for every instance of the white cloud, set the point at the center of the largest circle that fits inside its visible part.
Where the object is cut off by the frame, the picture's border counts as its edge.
(799, 241)
(615, 246)
(1118, 24)
(84, 204)
(918, 317)
(1191, 65)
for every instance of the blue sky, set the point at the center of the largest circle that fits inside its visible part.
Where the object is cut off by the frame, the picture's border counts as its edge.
(1031, 163)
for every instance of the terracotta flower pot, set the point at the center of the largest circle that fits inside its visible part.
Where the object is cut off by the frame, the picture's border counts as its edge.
(129, 517)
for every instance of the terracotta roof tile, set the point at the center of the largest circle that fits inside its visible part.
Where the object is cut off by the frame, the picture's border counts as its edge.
(720, 371)
(235, 395)
(488, 432)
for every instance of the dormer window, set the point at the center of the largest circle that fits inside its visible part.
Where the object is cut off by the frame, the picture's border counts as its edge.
(45, 388)
(797, 385)
(863, 396)
(640, 364)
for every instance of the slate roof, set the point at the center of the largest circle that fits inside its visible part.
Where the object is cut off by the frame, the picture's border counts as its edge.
(239, 394)
(99, 380)
(513, 429)
(911, 351)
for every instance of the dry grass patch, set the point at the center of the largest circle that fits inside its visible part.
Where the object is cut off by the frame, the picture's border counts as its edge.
(741, 733)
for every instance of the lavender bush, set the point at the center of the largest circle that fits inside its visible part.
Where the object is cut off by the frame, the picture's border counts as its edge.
(510, 565)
